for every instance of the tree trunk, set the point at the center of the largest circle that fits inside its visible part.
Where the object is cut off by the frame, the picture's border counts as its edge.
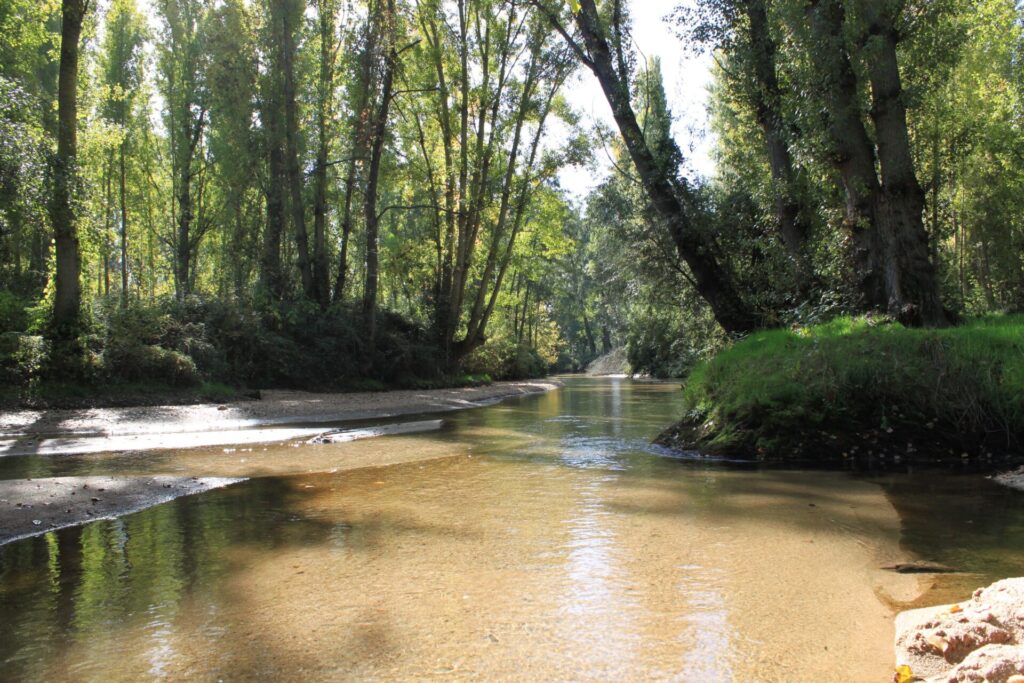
(667, 195)
(68, 289)
(767, 98)
(853, 154)
(291, 124)
(108, 214)
(124, 231)
(371, 217)
(589, 334)
(911, 282)
(183, 242)
(321, 269)
(182, 252)
(271, 274)
(346, 232)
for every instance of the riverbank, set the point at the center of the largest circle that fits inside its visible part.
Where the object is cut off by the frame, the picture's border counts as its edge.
(29, 507)
(36, 505)
(68, 432)
(860, 390)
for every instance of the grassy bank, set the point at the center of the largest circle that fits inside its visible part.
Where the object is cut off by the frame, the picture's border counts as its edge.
(853, 389)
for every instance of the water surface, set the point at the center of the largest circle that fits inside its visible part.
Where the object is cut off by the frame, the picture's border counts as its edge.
(542, 538)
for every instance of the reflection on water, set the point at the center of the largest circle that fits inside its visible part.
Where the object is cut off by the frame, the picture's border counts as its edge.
(546, 540)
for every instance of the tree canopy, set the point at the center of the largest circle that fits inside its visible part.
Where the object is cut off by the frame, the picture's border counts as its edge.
(370, 188)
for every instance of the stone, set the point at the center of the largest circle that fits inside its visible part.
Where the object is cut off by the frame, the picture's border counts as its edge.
(981, 639)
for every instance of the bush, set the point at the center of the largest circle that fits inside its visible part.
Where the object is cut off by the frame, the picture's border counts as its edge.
(855, 384)
(14, 315)
(503, 359)
(665, 345)
(215, 392)
(133, 362)
(219, 344)
(21, 357)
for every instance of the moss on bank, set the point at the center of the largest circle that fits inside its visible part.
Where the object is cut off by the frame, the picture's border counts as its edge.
(855, 389)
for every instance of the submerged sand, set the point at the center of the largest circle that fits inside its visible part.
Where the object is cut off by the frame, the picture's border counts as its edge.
(565, 553)
(131, 444)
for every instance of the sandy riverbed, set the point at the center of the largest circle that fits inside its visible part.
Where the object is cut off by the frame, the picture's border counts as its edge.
(34, 506)
(95, 430)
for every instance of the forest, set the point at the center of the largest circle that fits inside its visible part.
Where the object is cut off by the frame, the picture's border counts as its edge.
(212, 196)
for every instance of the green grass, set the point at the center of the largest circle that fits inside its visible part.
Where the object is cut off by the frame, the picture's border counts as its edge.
(849, 381)
(215, 392)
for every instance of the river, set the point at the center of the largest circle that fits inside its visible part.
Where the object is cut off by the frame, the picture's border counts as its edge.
(542, 538)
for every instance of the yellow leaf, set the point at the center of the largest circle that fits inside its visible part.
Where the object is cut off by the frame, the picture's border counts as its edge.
(903, 674)
(574, 5)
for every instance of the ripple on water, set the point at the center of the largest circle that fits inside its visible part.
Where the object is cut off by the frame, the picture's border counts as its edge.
(544, 539)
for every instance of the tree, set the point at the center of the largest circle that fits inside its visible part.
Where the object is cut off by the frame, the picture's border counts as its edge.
(183, 62)
(911, 282)
(891, 252)
(68, 290)
(233, 76)
(742, 31)
(285, 16)
(605, 53)
(123, 77)
(386, 18)
(327, 11)
(488, 119)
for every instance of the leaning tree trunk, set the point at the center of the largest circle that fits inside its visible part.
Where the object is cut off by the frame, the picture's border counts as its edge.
(68, 289)
(668, 198)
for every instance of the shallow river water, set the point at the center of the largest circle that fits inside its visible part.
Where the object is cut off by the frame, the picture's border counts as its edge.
(542, 538)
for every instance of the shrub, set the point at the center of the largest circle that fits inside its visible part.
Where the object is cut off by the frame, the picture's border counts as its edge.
(14, 315)
(21, 357)
(503, 359)
(130, 361)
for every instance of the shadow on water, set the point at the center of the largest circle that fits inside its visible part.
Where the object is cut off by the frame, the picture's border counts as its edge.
(966, 522)
(84, 589)
(93, 582)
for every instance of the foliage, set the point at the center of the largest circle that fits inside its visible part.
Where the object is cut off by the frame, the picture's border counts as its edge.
(504, 359)
(224, 159)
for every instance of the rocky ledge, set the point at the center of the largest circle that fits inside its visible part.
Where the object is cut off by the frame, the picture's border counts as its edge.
(980, 640)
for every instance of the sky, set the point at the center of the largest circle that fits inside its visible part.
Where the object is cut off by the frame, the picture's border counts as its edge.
(686, 82)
